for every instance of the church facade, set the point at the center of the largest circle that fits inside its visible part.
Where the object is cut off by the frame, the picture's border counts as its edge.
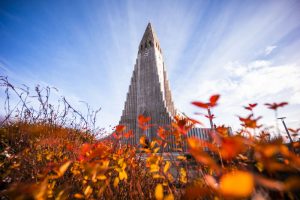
(149, 92)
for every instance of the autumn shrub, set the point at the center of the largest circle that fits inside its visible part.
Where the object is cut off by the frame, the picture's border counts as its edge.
(58, 154)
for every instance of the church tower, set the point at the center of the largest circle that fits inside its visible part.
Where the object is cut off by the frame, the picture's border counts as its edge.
(149, 91)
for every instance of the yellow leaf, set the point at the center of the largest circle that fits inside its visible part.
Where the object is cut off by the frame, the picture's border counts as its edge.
(101, 177)
(124, 166)
(145, 150)
(156, 176)
(169, 197)
(259, 166)
(159, 192)
(181, 157)
(116, 182)
(120, 161)
(165, 183)
(167, 166)
(237, 184)
(88, 190)
(122, 174)
(154, 168)
(156, 150)
(39, 157)
(183, 178)
(170, 177)
(59, 195)
(105, 163)
(152, 144)
(64, 168)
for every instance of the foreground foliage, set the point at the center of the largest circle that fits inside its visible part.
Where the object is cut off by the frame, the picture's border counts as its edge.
(45, 155)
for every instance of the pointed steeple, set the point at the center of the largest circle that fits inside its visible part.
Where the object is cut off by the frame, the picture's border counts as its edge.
(149, 91)
(149, 95)
(149, 38)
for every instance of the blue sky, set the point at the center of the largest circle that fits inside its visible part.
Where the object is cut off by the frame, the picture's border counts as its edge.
(247, 51)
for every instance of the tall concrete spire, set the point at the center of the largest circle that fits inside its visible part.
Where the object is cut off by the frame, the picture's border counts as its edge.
(149, 91)
(149, 95)
(149, 37)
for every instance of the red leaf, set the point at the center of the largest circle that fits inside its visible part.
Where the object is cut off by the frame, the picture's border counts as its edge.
(116, 136)
(142, 119)
(213, 100)
(282, 104)
(275, 106)
(85, 148)
(294, 130)
(222, 130)
(120, 128)
(128, 134)
(183, 125)
(210, 116)
(193, 121)
(200, 104)
(143, 122)
(250, 106)
(249, 122)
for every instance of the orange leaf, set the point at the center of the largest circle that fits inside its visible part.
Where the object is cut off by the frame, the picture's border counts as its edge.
(161, 132)
(231, 147)
(196, 149)
(78, 196)
(169, 197)
(237, 184)
(64, 168)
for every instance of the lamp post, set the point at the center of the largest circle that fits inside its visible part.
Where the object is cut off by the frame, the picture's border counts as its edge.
(287, 132)
(286, 129)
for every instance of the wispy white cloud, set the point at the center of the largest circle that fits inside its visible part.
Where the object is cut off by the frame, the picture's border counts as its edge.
(269, 49)
(259, 81)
